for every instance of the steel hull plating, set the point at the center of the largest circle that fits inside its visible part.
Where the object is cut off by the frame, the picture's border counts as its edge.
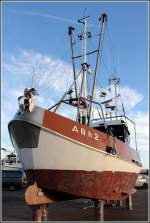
(71, 161)
(105, 185)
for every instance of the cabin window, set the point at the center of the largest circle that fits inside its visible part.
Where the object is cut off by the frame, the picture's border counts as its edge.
(118, 131)
(11, 173)
(24, 134)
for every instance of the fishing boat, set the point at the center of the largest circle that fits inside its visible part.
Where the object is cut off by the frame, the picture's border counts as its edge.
(10, 161)
(83, 158)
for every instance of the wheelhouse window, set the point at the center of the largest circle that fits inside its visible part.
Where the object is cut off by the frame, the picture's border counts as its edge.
(119, 131)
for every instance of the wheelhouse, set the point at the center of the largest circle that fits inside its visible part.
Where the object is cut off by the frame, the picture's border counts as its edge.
(115, 128)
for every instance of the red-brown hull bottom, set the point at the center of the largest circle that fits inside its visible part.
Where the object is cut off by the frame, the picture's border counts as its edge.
(106, 185)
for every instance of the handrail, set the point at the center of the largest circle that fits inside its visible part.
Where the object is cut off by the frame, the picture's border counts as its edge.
(103, 118)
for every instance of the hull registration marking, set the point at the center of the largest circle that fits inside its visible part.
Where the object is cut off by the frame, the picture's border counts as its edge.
(85, 132)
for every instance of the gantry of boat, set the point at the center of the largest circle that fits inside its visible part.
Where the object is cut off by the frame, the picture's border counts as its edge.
(86, 157)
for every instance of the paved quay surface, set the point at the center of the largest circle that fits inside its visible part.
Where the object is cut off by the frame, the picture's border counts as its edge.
(15, 209)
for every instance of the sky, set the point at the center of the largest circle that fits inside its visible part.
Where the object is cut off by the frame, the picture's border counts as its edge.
(34, 37)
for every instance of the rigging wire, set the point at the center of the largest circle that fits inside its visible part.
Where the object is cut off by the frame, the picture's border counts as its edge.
(52, 61)
(53, 68)
(108, 70)
(48, 80)
(48, 65)
(75, 42)
(111, 48)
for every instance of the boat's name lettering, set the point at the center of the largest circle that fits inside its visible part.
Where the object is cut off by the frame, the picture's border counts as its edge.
(85, 132)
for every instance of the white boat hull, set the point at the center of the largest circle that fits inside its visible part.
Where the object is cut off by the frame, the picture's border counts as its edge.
(70, 162)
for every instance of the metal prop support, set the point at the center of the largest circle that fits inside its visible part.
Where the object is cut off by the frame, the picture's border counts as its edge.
(38, 201)
(129, 202)
(40, 213)
(99, 210)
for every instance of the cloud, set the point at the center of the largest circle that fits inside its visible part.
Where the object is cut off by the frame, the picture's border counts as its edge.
(43, 102)
(50, 73)
(58, 77)
(53, 76)
(141, 120)
(131, 97)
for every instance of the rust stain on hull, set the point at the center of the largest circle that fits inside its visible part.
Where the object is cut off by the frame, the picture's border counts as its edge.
(106, 185)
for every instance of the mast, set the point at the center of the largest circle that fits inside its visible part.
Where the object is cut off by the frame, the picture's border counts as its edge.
(84, 95)
(85, 59)
(84, 37)
(70, 33)
(103, 19)
(81, 101)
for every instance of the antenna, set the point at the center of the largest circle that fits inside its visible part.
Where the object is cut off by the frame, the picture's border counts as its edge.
(84, 12)
(33, 78)
(118, 60)
(115, 82)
